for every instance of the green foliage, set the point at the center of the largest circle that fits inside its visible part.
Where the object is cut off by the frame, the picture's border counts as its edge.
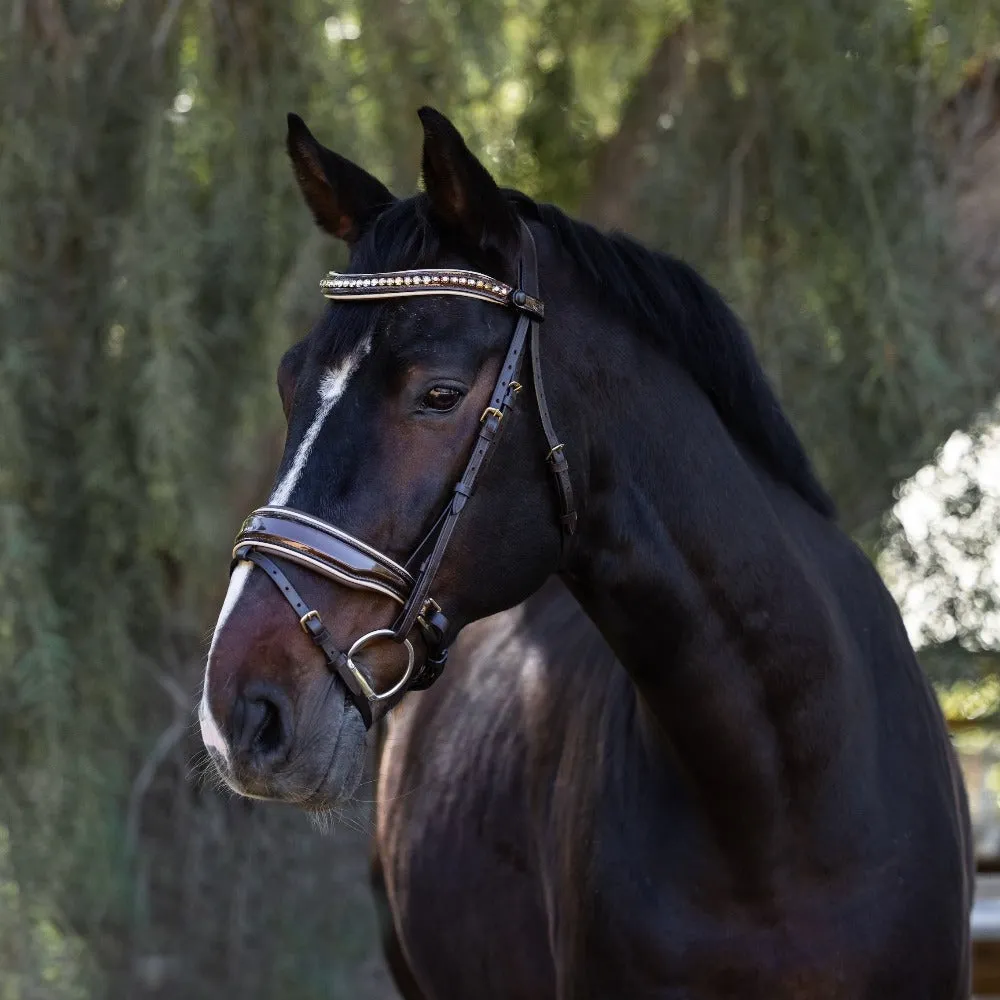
(146, 238)
(37, 959)
(155, 261)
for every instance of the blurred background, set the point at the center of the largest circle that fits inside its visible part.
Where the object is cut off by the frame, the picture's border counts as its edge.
(833, 165)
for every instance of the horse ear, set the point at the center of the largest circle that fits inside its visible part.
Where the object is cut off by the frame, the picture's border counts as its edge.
(343, 197)
(461, 190)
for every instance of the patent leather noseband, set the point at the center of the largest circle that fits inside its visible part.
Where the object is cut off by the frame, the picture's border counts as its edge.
(332, 553)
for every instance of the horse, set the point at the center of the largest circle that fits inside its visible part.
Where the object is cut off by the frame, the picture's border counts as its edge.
(698, 759)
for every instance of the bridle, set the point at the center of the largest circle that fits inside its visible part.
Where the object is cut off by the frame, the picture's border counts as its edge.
(332, 553)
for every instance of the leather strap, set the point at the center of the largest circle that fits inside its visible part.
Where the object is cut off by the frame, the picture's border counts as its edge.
(557, 451)
(491, 426)
(312, 625)
(505, 392)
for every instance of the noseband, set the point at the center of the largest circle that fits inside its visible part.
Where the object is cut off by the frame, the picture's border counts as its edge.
(329, 552)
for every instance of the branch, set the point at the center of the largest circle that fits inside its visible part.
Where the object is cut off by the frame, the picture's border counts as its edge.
(53, 28)
(618, 165)
(164, 26)
(166, 742)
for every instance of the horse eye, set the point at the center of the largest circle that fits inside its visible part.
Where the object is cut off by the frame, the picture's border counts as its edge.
(442, 398)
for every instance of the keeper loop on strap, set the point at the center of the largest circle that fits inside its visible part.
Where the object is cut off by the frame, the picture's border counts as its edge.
(526, 303)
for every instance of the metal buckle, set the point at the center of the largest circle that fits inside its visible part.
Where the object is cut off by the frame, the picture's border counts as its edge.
(552, 451)
(308, 616)
(430, 606)
(491, 411)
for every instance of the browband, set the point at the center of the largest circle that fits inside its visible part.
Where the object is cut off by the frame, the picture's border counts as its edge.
(429, 281)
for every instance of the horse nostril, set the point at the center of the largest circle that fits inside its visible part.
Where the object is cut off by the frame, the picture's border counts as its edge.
(268, 737)
(261, 723)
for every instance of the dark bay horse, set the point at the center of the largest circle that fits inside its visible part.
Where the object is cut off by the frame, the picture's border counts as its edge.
(701, 763)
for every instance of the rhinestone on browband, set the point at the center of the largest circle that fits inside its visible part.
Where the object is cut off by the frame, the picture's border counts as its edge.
(432, 281)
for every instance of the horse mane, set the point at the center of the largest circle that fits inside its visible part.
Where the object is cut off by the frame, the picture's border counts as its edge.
(665, 298)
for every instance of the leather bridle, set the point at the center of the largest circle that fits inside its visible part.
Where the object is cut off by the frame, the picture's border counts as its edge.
(330, 552)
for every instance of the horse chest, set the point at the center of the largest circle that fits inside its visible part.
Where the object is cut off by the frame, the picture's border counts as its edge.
(462, 884)
(476, 901)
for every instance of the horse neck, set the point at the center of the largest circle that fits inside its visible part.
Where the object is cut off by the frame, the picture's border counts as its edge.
(690, 562)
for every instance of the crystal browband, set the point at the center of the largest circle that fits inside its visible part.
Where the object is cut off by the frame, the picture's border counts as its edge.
(429, 281)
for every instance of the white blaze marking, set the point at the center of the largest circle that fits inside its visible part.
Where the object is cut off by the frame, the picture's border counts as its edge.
(331, 388)
(211, 735)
